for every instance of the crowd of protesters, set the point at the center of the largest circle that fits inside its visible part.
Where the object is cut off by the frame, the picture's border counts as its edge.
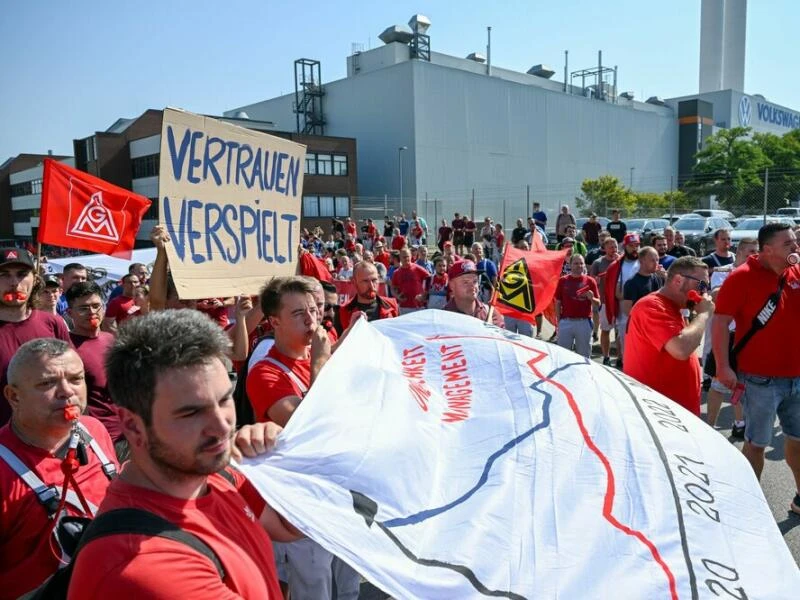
(151, 375)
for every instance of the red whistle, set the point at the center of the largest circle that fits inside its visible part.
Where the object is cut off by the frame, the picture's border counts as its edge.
(21, 296)
(9, 297)
(94, 321)
(694, 297)
(71, 413)
(583, 290)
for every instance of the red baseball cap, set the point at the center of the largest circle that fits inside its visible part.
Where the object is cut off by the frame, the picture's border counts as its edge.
(463, 267)
(632, 239)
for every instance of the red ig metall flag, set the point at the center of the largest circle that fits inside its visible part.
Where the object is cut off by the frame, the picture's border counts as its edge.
(85, 212)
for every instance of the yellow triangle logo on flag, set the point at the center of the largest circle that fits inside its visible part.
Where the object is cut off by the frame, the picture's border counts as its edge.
(515, 287)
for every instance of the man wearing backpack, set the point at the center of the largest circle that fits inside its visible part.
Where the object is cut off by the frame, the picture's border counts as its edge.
(45, 376)
(764, 294)
(166, 373)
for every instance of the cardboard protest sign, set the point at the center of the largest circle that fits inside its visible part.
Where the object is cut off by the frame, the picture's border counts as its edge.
(230, 201)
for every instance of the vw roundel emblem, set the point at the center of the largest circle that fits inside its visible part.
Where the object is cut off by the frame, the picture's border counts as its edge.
(745, 109)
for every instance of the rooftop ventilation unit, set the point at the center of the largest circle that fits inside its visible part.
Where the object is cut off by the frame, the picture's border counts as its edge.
(241, 115)
(419, 24)
(626, 95)
(477, 57)
(542, 71)
(655, 100)
(396, 33)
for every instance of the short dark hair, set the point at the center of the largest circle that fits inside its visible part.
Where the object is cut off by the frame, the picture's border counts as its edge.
(768, 231)
(150, 345)
(74, 267)
(719, 231)
(685, 265)
(127, 276)
(133, 266)
(81, 289)
(274, 290)
(657, 238)
(328, 287)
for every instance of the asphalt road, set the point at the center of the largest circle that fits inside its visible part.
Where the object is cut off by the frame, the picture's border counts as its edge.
(776, 481)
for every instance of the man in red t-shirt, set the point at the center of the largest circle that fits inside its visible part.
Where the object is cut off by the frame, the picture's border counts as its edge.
(85, 301)
(660, 348)
(768, 364)
(366, 301)
(45, 376)
(408, 283)
(381, 255)
(575, 296)
(276, 386)
(19, 322)
(123, 306)
(166, 373)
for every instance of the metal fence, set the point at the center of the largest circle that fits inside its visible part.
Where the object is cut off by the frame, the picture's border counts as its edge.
(752, 195)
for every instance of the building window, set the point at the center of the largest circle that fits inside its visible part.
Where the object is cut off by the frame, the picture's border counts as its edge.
(311, 163)
(36, 186)
(91, 148)
(310, 206)
(326, 206)
(340, 165)
(21, 189)
(145, 166)
(342, 206)
(324, 164)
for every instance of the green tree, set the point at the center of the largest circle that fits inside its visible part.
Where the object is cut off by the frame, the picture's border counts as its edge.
(603, 194)
(730, 167)
(784, 174)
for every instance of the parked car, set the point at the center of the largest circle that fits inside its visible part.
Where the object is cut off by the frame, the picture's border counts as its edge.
(789, 211)
(646, 228)
(709, 212)
(695, 227)
(745, 228)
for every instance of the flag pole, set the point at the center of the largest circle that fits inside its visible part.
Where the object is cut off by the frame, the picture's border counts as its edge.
(38, 258)
(496, 285)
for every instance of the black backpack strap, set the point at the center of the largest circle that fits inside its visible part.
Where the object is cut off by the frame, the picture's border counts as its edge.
(761, 319)
(134, 520)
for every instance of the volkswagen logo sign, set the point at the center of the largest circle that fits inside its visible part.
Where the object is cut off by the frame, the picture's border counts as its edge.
(745, 109)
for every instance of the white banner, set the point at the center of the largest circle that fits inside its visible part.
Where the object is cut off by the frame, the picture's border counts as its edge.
(444, 458)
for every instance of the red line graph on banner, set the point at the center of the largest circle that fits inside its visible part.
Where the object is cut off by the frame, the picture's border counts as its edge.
(608, 501)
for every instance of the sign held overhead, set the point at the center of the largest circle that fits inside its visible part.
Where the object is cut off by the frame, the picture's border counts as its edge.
(230, 201)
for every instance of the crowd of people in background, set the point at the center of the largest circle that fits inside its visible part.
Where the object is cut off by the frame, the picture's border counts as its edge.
(64, 342)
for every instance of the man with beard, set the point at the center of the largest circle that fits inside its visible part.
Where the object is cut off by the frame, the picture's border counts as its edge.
(276, 386)
(660, 349)
(598, 270)
(768, 365)
(617, 276)
(45, 377)
(519, 232)
(408, 283)
(463, 282)
(18, 321)
(85, 301)
(660, 244)
(167, 375)
(366, 300)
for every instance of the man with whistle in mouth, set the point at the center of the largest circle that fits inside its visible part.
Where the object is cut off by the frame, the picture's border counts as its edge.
(86, 309)
(19, 322)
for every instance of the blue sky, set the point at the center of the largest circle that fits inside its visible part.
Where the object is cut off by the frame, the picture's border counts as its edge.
(72, 68)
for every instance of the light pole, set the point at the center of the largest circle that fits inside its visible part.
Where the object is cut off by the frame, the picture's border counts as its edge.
(400, 173)
(632, 170)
